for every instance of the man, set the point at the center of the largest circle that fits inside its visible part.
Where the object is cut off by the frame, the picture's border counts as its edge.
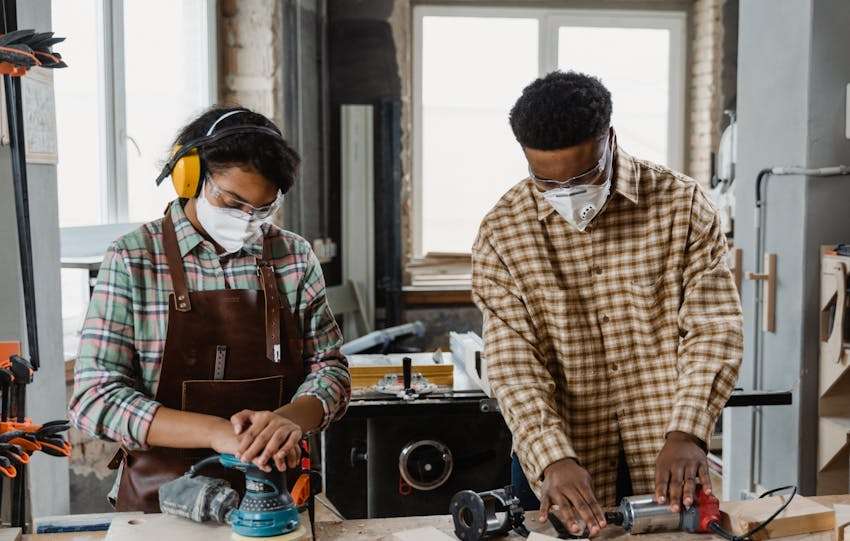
(209, 328)
(612, 325)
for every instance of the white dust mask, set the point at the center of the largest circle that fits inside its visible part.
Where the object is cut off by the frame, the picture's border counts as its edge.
(579, 204)
(230, 228)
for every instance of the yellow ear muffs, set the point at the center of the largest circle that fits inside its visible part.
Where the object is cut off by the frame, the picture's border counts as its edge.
(186, 173)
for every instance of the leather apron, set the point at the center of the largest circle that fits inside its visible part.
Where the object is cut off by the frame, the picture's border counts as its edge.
(225, 351)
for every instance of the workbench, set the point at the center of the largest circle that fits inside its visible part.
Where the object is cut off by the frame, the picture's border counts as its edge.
(375, 529)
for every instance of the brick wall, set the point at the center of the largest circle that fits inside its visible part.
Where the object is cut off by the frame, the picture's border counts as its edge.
(704, 86)
(251, 55)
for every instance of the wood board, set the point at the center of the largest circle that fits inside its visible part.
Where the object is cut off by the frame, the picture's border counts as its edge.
(428, 533)
(10, 534)
(157, 526)
(161, 527)
(802, 517)
(842, 522)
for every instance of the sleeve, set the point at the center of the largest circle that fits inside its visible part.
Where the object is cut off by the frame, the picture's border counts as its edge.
(710, 324)
(519, 378)
(106, 402)
(328, 379)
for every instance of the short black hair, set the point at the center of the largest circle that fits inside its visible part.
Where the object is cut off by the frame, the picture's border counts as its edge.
(561, 110)
(272, 157)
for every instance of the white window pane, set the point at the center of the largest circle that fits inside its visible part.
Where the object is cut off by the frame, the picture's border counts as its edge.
(78, 90)
(167, 84)
(634, 64)
(473, 70)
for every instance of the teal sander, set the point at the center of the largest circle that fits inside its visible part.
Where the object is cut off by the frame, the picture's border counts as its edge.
(267, 509)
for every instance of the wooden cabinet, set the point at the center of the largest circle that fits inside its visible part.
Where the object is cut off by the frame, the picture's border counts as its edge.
(834, 401)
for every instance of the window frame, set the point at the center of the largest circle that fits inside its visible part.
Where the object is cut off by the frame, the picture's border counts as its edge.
(111, 119)
(549, 20)
(112, 108)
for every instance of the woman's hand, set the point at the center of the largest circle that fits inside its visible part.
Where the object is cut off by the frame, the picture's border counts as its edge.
(264, 436)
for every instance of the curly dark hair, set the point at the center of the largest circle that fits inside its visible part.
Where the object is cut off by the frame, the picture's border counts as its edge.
(561, 110)
(272, 157)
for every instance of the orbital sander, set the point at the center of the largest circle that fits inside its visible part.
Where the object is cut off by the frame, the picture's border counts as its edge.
(267, 510)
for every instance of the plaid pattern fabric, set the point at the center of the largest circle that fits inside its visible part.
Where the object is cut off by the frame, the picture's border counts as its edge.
(123, 338)
(622, 333)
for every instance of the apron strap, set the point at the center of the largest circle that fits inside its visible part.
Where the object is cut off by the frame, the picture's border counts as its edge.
(175, 263)
(265, 271)
(277, 310)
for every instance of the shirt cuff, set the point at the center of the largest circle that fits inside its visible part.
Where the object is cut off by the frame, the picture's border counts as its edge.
(141, 411)
(695, 421)
(547, 447)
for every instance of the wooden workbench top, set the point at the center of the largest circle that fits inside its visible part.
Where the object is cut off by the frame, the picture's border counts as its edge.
(375, 529)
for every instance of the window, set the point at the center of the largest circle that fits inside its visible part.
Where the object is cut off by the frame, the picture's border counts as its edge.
(122, 102)
(470, 66)
(118, 108)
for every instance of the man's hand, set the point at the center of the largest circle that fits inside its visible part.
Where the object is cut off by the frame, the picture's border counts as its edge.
(567, 485)
(678, 466)
(265, 435)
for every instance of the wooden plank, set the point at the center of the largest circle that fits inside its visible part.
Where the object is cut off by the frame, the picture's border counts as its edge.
(363, 377)
(428, 533)
(10, 534)
(160, 526)
(842, 522)
(157, 526)
(542, 537)
(437, 296)
(803, 516)
(79, 522)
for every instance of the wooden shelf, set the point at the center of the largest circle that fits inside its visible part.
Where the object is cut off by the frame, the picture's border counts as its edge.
(834, 380)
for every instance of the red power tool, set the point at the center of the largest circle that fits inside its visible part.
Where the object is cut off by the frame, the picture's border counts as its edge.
(642, 514)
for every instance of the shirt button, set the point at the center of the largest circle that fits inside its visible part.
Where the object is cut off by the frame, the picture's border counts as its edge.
(597, 270)
(614, 367)
(605, 319)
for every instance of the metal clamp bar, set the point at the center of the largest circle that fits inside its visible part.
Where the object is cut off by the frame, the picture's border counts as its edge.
(740, 399)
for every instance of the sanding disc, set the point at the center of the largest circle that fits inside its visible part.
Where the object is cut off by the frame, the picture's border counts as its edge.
(300, 533)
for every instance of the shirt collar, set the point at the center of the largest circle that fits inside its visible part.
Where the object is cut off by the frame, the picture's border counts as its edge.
(188, 237)
(626, 178)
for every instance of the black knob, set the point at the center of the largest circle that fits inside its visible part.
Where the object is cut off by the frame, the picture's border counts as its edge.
(407, 366)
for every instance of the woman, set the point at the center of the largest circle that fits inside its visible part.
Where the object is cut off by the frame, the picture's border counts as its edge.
(209, 328)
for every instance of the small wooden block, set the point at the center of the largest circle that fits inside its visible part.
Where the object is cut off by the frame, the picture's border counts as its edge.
(803, 516)
(10, 534)
(428, 533)
(842, 522)
(534, 536)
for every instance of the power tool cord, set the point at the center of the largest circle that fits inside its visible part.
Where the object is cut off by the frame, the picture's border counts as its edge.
(718, 529)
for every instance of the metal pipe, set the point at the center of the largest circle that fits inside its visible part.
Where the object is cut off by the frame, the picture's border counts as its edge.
(761, 239)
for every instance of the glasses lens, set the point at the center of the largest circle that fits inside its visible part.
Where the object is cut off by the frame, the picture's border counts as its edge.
(261, 213)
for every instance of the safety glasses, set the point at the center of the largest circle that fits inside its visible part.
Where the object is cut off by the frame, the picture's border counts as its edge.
(591, 176)
(229, 202)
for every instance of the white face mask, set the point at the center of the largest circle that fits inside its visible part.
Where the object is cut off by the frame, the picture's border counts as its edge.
(230, 228)
(579, 204)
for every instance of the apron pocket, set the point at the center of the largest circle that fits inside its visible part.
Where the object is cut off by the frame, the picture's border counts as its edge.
(223, 398)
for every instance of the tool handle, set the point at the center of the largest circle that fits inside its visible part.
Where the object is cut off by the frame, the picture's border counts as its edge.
(407, 366)
(198, 466)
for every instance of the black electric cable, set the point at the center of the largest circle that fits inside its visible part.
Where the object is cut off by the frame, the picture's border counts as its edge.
(718, 529)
